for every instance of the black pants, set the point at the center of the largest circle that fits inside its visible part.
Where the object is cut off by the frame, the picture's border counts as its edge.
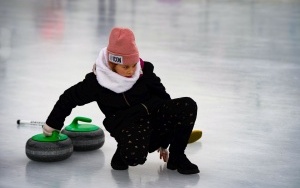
(172, 123)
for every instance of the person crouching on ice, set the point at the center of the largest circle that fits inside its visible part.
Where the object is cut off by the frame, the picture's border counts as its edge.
(139, 113)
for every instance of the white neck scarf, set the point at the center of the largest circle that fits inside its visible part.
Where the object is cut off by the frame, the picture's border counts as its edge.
(110, 79)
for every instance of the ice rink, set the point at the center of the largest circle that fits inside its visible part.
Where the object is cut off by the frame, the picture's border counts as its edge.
(238, 59)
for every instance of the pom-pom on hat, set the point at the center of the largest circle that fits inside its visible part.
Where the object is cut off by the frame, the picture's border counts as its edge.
(121, 48)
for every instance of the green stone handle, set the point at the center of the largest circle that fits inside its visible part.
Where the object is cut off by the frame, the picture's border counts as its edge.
(55, 136)
(74, 123)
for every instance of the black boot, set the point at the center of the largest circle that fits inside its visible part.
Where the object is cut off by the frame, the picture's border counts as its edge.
(182, 164)
(117, 163)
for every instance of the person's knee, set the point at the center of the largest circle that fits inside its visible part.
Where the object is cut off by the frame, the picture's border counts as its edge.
(189, 102)
(134, 154)
(133, 160)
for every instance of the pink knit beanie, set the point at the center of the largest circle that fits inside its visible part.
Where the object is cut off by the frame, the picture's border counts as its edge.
(121, 48)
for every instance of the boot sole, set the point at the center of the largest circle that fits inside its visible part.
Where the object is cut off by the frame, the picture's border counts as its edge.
(191, 171)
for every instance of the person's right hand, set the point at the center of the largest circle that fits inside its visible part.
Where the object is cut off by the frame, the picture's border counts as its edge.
(163, 154)
(47, 130)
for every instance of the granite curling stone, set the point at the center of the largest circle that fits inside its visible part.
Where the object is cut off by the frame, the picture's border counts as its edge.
(195, 135)
(85, 137)
(52, 148)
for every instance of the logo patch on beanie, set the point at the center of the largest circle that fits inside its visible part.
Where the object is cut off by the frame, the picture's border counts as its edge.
(115, 59)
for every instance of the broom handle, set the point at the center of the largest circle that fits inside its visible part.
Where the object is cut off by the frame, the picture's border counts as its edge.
(39, 123)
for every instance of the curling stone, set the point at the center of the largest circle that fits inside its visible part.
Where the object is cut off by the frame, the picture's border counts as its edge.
(52, 148)
(85, 137)
(195, 135)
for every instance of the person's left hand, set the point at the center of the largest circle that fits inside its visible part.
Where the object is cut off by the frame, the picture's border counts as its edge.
(163, 154)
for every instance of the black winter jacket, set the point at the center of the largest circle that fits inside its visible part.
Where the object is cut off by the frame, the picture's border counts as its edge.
(145, 96)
